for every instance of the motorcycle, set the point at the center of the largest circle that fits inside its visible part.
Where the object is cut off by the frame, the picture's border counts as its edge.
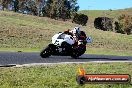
(64, 45)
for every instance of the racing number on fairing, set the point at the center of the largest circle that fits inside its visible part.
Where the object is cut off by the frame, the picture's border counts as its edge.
(56, 42)
(71, 38)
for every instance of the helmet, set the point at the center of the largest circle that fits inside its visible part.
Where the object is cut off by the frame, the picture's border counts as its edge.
(76, 30)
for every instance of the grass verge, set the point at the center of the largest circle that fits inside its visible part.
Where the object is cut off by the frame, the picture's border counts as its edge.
(97, 51)
(60, 76)
(104, 51)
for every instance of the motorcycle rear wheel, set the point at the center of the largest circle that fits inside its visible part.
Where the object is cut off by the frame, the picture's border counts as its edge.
(75, 54)
(78, 52)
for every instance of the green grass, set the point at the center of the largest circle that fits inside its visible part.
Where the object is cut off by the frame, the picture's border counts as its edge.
(97, 51)
(20, 49)
(60, 76)
(26, 33)
(102, 51)
(107, 13)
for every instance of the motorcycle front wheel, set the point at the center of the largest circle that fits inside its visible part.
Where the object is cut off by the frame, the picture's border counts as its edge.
(45, 52)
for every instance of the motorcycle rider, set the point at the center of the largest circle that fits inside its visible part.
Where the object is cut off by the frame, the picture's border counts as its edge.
(79, 40)
(75, 33)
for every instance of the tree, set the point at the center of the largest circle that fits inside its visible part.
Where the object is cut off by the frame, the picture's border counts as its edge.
(16, 5)
(62, 9)
(41, 4)
(124, 24)
(73, 5)
(48, 7)
(5, 3)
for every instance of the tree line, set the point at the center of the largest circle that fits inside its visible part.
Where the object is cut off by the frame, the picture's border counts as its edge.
(56, 9)
(67, 9)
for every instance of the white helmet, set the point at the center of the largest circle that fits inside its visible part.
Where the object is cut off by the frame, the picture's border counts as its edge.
(76, 30)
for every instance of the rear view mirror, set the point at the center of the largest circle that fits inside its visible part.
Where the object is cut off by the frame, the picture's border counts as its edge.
(89, 39)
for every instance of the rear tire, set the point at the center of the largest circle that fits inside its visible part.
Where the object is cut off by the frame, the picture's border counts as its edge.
(78, 52)
(75, 54)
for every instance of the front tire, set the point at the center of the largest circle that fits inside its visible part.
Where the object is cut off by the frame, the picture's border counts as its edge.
(46, 52)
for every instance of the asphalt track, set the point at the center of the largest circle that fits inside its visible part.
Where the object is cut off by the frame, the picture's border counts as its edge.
(20, 58)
